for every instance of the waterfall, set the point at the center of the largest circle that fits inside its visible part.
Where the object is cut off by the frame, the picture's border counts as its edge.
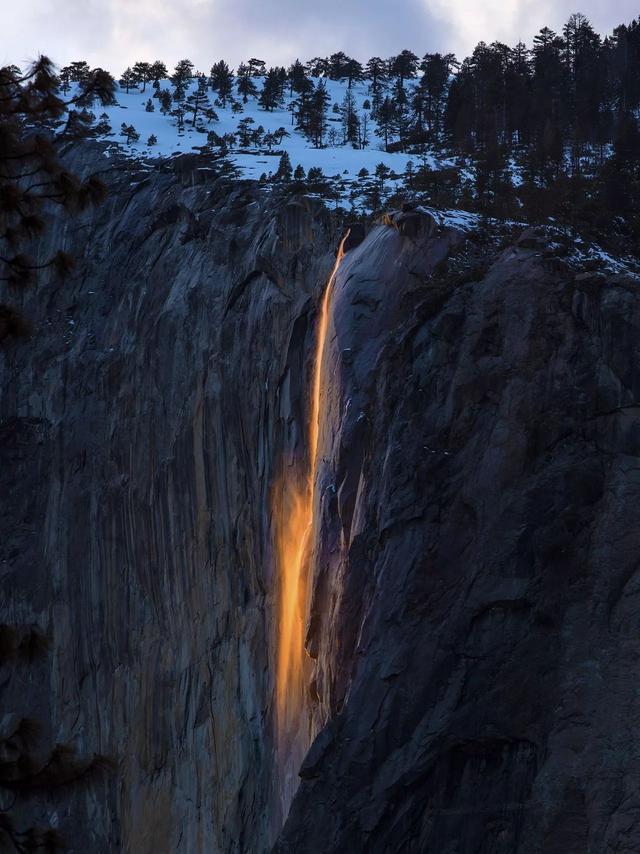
(292, 507)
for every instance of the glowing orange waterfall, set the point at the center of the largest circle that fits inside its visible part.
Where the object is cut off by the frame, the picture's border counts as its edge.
(293, 501)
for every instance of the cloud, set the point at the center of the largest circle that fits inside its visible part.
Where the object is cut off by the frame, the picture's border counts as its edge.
(360, 27)
(490, 20)
(519, 20)
(114, 33)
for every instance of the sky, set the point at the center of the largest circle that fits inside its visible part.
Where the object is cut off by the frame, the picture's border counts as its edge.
(116, 33)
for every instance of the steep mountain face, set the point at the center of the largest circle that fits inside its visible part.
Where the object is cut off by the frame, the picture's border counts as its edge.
(475, 621)
(139, 432)
(474, 564)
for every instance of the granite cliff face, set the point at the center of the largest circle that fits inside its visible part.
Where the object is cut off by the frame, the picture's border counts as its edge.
(475, 579)
(475, 621)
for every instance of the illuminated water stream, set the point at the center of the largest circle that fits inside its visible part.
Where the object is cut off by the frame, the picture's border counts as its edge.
(293, 502)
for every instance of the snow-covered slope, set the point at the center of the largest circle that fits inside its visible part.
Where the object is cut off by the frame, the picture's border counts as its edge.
(334, 159)
(340, 162)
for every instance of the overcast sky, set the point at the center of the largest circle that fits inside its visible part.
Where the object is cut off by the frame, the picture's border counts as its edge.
(115, 33)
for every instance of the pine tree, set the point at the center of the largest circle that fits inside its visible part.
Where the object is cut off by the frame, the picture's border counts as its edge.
(547, 119)
(158, 71)
(546, 156)
(404, 66)
(418, 102)
(182, 74)
(333, 138)
(282, 78)
(373, 197)
(270, 96)
(316, 180)
(198, 101)
(64, 78)
(164, 96)
(400, 123)
(298, 80)
(183, 71)
(32, 176)
(129, 132)
(285, 170)
(476, 109)
(434, 84)
(103, 127)
(269, 140)
(178, 113)
(279, 134)
(79, 72)
(214, 140)
(492, 180)
(363, 138)
(623, 58)
(258, 136)
(337, 65)
(304, 89)
(626, 144)
(518, 85)
(318, 67)
(128, 80)
(386, 117)
(376, 72)
(142, 73)
(350, 120)
(257, 67)
(382, 173)
(409, 175)
(153, 140)
(245, 85)
(316, 120)
(586, 72)
(179, 91)
(353, 72)
(221, 81)
(243, 132)
(619, 178)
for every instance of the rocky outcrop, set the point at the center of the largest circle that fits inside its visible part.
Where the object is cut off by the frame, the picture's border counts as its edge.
(475, 563)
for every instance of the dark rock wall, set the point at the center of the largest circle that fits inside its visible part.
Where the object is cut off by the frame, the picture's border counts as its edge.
(473, 620)
(477, 628)
(139, 431)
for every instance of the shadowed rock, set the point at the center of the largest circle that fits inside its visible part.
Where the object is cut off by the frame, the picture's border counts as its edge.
(475, 594)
